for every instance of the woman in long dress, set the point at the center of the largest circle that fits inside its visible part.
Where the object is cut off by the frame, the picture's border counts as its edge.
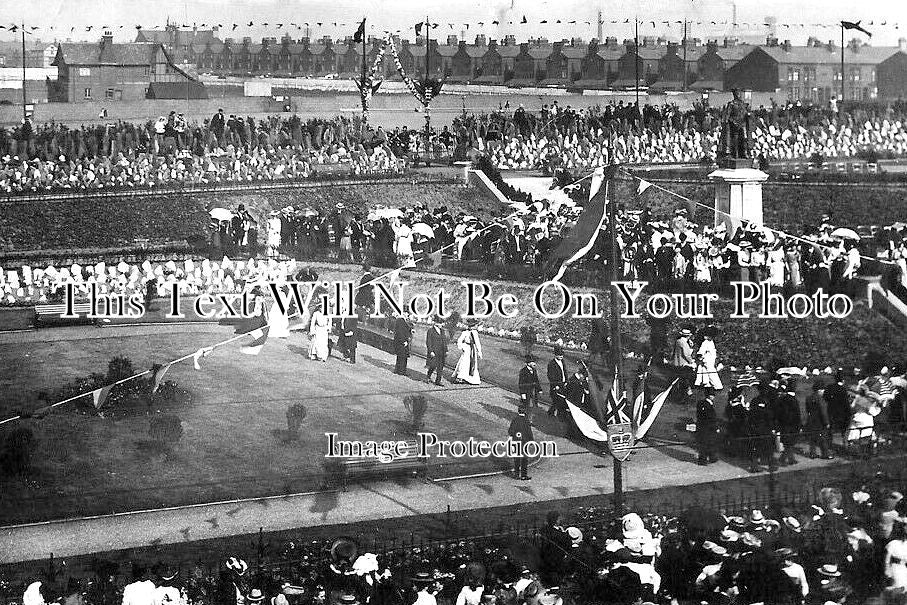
(279, 322)
(319, 330)
(775, 260)
(467, 368)
(896, 560)
(706, 366)
(403, 243)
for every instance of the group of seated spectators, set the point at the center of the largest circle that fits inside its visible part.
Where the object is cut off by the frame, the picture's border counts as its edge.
(175, 151)
(846, 546)
(580, 139)
(172, 152)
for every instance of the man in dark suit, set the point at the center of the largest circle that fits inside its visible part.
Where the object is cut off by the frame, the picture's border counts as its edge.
(521, 433)
(707, 430)
(557, 383)
(349, 338)
(577, 389)
(365, 296)
(436, 345)
(403, 336)
(529, 384)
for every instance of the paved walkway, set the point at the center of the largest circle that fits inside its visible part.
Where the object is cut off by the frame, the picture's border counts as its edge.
(576, 472)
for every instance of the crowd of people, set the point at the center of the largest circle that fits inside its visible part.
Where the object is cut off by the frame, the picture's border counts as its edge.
(224, 149)
(580, 139)
(173, 152)
(847, 546)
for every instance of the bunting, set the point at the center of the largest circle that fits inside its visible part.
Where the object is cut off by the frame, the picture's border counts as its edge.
(203, 352)
(157, 375)
(259, 336)
(643, 185)
(650, 410)
(99, 396)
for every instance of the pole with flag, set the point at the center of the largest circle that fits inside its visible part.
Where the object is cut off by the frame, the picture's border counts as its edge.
(845, 25)
(360, 37)
(616, 356)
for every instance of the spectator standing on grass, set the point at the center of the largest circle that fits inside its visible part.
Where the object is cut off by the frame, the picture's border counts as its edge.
(818, 423)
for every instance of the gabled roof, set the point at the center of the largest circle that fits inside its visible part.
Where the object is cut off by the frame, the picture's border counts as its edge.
(575, 52)
(540, 52)
(182, 37)
(476, 52)
(447, 50)
(735, 53)
(133, 53)
(811, 55)
(611, 53)
(508, 51)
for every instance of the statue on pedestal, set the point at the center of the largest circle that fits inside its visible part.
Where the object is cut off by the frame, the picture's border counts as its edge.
(736, 127)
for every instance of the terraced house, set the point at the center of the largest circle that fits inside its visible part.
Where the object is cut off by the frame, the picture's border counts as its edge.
(810, 72)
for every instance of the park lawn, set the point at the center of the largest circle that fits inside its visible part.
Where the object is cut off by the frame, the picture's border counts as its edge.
(233, 428)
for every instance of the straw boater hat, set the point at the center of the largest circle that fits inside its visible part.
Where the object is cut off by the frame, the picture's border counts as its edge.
(255, 596)
(829, 570)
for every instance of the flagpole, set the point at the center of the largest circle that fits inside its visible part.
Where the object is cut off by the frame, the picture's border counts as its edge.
(364, 109)
(424, 88)
(615, 325)
(841, 106)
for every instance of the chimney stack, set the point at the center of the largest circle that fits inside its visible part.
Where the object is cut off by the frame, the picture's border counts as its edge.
(902, 44)
(107, 38)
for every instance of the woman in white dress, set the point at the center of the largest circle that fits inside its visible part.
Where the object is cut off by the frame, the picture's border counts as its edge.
(776, 265)
(896, 563)
(274, 234)
(467, 368)
(706, 365)
(279, 322)
(319, 330)
(403, 243)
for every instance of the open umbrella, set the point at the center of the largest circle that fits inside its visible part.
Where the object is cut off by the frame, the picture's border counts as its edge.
(845, 233)
(792, 371)
(309, 212)
(221, 214)
(424, 230)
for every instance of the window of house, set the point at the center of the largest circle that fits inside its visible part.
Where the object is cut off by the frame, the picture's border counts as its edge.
(84, 71)
(147, 70)
(87, 93)
(108, 94)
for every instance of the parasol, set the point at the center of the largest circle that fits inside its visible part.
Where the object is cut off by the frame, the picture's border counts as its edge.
(221, 214)
(309, 212)
(845, 233)
(424, 230)
(792, 371)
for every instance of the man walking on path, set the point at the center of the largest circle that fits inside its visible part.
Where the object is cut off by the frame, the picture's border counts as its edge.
(529, 384)
(557, 383)
(403, 336)
(521, 434)
(436, 346)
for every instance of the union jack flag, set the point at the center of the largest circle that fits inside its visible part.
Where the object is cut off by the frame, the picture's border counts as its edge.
(616, 407)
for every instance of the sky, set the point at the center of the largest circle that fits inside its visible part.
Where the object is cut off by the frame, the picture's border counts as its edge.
(402, 14)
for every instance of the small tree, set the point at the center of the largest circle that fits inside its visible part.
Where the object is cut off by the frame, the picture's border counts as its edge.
(16, 455)
(416, 405)
(296, 413)
(119, 368)
(166, 430)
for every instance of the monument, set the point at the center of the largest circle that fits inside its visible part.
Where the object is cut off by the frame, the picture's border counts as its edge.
(738, 185)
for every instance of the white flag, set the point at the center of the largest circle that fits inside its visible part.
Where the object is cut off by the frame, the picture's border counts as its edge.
(643, 185)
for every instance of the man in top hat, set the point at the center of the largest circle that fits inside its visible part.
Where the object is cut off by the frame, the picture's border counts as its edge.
(348, 339)
(557, 383)
(529, 384)
(707, 429)
(577, 390)
(520, 432)
(436, 346)
(403, 337)
(787, 417)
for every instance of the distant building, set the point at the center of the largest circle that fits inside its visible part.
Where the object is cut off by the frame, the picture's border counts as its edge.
(177, 40)
(811, 73)
(892, 74)
(114, 72)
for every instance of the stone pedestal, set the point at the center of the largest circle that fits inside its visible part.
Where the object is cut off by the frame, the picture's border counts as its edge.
(738, 196)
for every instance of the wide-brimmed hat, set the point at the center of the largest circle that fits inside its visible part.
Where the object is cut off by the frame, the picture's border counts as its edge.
(529, 357)
(632, 527)
(784, 553)
(750, 540)
(686, 332)
(576, 536)
(280, 599)
(237, 566)
(792, 524)
(472, 321)
(422, 577)
(343, 549)
(256, 596)
(347, 598)
(736, 523)
(830, 570)
(713, 548)
(729, 535)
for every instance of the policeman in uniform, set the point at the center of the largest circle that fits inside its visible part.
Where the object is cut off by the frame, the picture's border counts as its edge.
(521, 433)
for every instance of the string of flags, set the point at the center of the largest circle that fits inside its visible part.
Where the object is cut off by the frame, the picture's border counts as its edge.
(654, 23)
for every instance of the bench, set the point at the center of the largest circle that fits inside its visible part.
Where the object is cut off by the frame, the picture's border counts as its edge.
(47, 314)
(411, 463)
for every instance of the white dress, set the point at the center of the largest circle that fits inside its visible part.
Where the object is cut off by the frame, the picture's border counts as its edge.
(279, 323)
(319, 330)
(896, 563)
(467, 368)
(403, 245)
(706, 369)
(776, 268)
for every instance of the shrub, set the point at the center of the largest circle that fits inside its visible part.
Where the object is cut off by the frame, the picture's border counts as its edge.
(166, 429)
(416, 405)
(296, 413)
(16, 454)
(119, 368)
